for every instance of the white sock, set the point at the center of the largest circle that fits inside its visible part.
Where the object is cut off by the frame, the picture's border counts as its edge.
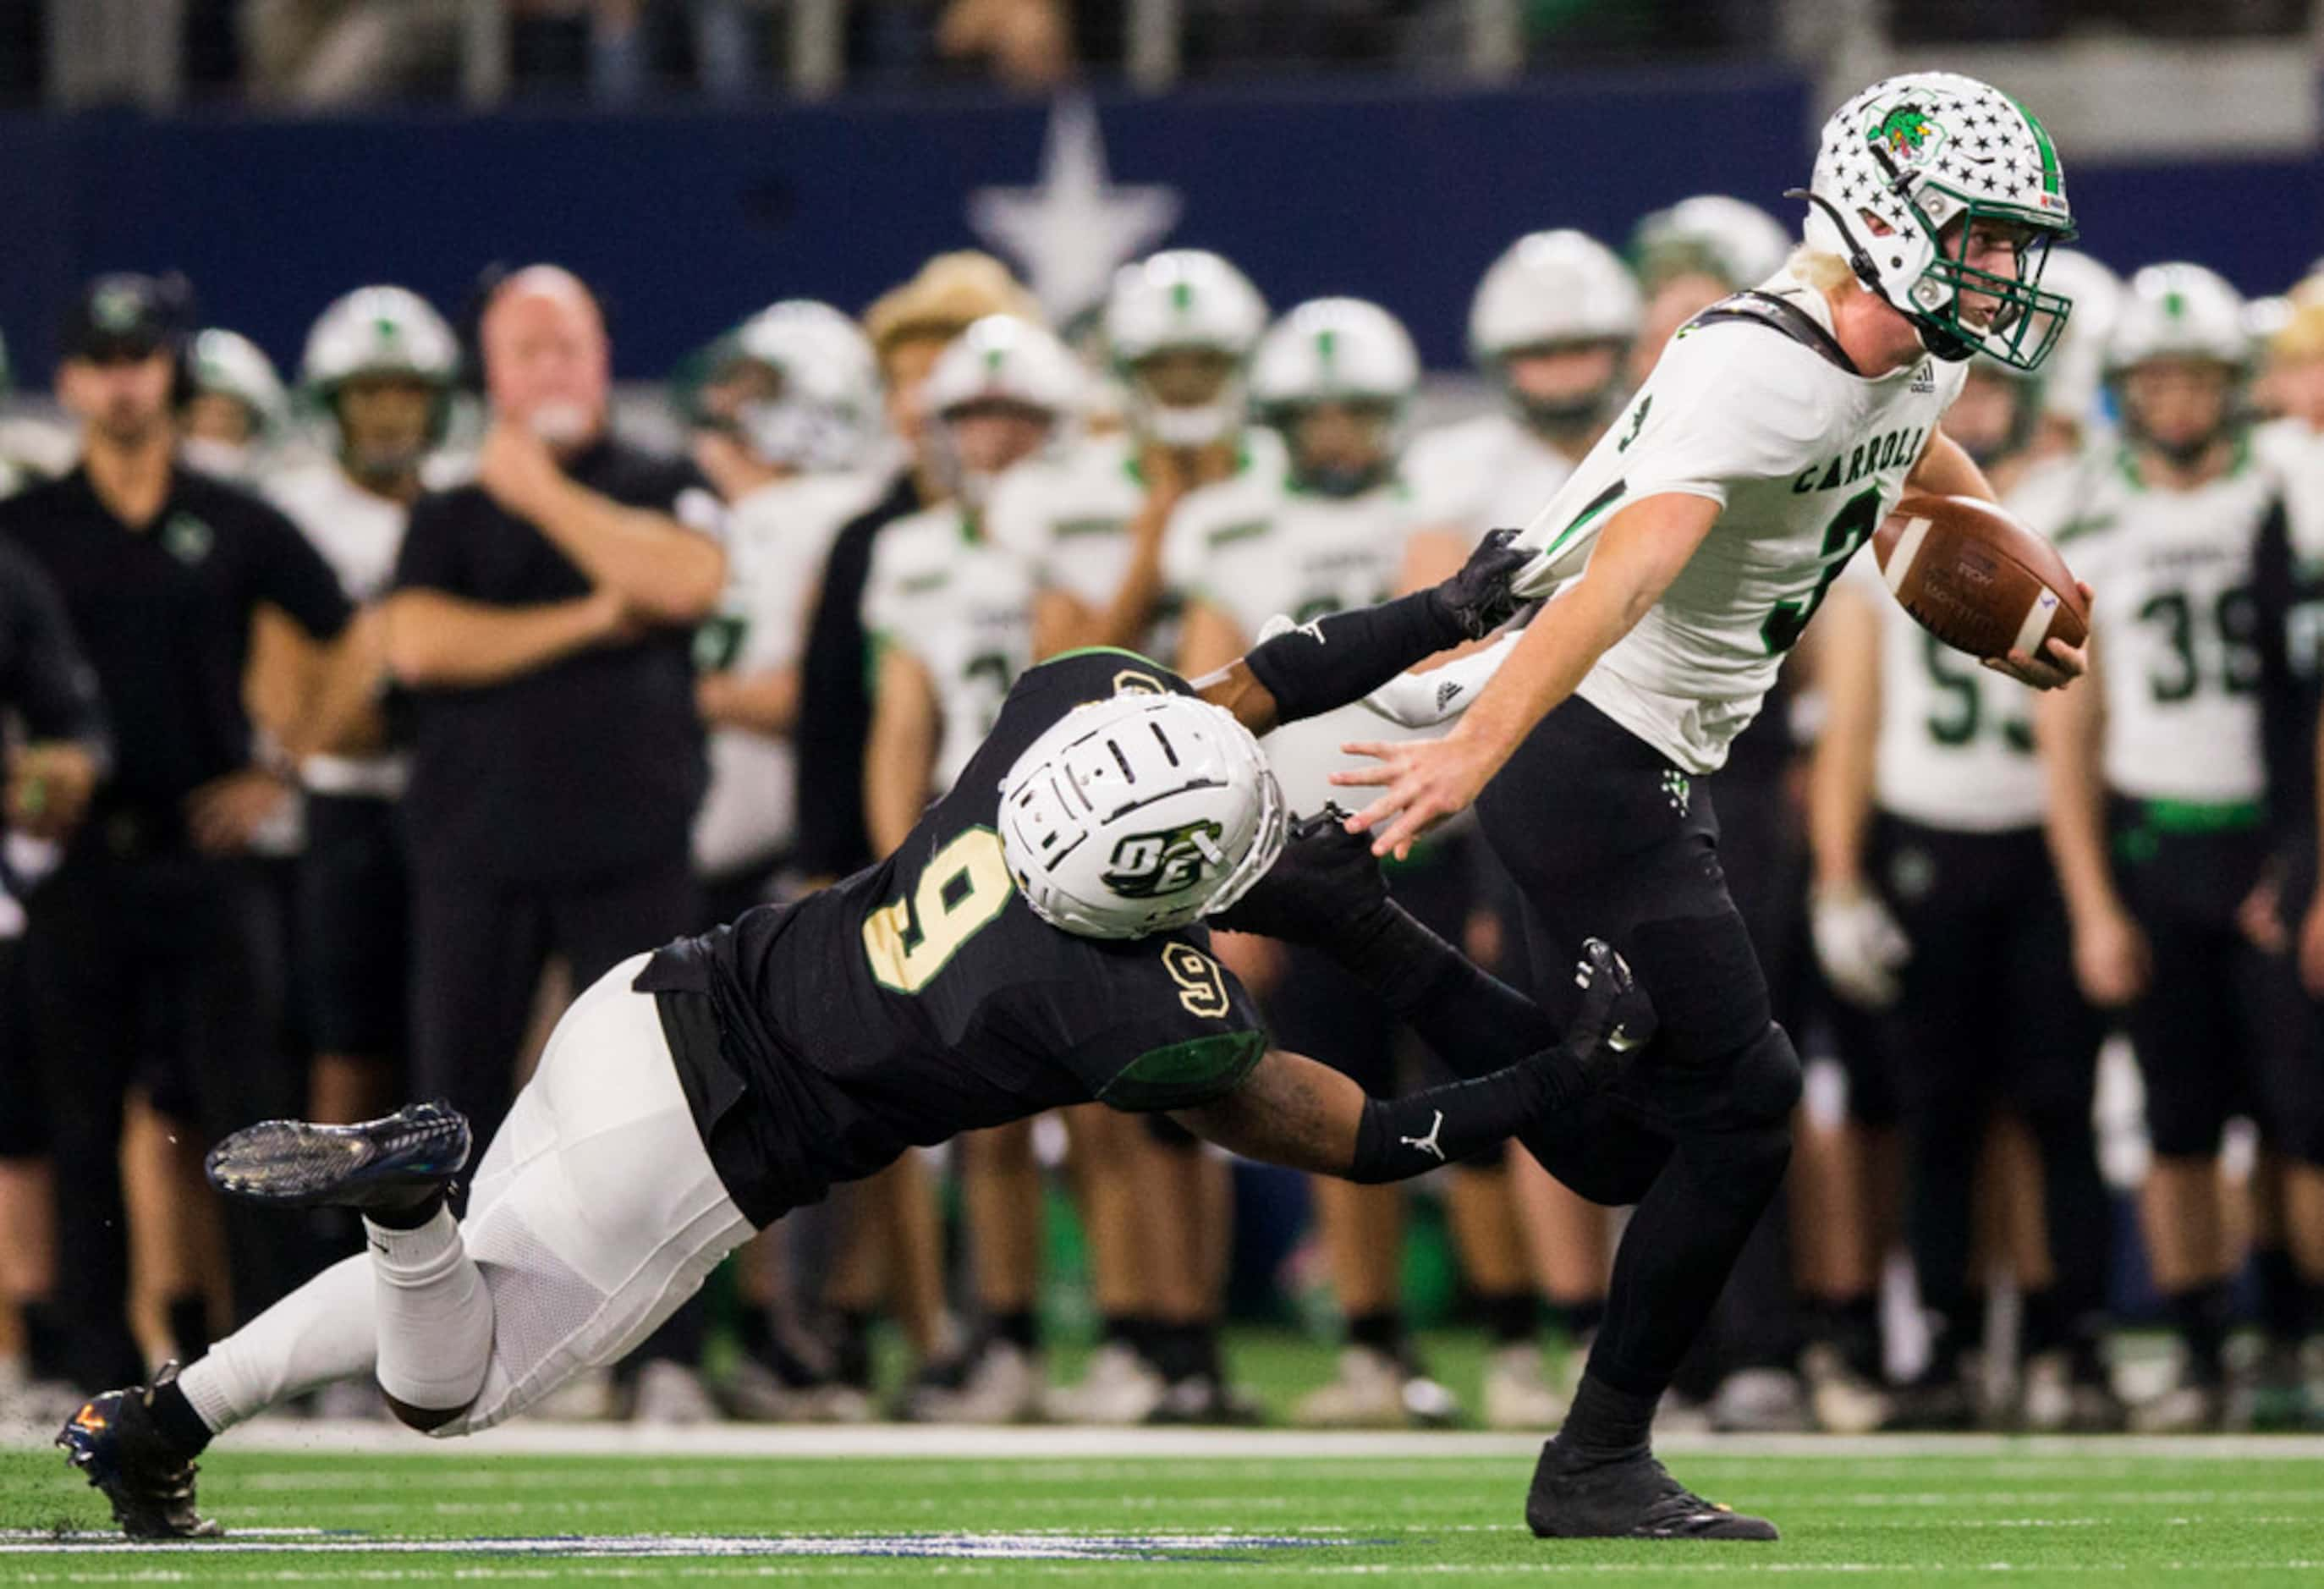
(321, 1332)
(435, 1314)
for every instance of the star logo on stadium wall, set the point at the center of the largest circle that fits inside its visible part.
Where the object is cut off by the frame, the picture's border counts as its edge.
(1074, 228)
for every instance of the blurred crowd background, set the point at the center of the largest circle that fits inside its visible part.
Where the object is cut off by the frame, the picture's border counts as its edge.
(384, 370)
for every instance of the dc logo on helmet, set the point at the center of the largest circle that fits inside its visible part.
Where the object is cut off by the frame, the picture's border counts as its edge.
(1907, 134)
(1146, 866)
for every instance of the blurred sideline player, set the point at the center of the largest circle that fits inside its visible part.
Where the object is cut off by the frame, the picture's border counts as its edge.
(1037, 938)
(951, 614)
(235, 412)
(796, 442)
(891, 1250)
(1177, 329)
(1687, 554)
(1692, 255)
(1552, 327)
(1936, 907)
(1335, 378)
(378, 375)
(2158, 794)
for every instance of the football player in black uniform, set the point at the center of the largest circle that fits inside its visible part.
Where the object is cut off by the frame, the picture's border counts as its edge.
(1037, 941)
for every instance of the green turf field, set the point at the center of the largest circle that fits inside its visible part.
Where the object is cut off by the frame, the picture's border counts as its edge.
(1248, 1510)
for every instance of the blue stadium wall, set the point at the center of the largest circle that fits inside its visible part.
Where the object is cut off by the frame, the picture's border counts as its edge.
(688, 219)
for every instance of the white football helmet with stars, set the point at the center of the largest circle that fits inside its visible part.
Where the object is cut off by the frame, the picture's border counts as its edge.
(1914, 155)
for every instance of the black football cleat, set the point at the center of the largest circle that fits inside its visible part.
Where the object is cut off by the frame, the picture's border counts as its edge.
(118, 1446)
(1634, 1498)
(387, 1166)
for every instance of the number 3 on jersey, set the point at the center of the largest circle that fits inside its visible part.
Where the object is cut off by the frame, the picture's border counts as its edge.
(1849, 529)
(964, 886)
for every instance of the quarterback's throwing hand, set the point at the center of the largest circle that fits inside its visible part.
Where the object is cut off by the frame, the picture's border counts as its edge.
(1423, 781)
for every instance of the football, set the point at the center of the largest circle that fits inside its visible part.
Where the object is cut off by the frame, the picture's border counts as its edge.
(1977, 578)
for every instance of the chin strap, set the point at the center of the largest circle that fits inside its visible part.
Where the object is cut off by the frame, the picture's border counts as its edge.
(1939, 342)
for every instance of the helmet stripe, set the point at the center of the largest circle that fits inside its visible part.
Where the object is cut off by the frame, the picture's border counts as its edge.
(2041, 141)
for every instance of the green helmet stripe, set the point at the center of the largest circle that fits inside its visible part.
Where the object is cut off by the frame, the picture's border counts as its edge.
(2041, 141)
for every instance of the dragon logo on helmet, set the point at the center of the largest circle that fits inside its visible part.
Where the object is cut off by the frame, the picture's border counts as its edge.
(1909, 136)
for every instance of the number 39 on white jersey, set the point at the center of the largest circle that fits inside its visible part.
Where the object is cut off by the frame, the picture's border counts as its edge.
(1804, 457)
(2176, 631)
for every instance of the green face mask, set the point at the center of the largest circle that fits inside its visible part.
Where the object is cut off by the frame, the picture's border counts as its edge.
(2025, 320)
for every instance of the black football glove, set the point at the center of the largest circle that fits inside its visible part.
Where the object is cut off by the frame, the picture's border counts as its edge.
(1615, 1019)
(1477, 600)
(1323, 885)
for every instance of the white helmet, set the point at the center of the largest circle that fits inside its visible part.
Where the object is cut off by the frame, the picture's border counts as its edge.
(232, 364)
(1553, 287)
(826, 416)
(1179, 298)
(1549, 289)
(378, 331)
(1335, 350)
(1914, 154)
(1000, 359)
(2072, 377)
(1738, 243)
(2178, 311)
(1138, 813)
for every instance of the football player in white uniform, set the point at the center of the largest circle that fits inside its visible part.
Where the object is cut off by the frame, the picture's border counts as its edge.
(235, 410)
(951, 611)
(797, 443)
(1692, 546)
(1692, 255)
(1551, 329)
(1336, 378)
(1935, 908)
(377, 375)
(2159, 791)
(1178, 329)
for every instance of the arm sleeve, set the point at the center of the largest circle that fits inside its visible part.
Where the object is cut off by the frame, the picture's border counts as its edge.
(50, 683)
(292, 574)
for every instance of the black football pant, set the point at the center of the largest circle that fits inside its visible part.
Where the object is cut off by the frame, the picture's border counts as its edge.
(166, 971)
(1988, 1014)
(480, 947)
(1603, 837)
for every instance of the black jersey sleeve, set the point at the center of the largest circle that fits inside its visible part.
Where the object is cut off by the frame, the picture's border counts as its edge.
(44, 675)
(287, 572)
(1169, 1027)
(431, 557)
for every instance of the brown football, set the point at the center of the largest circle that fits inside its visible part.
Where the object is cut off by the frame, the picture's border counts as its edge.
(1977, 578)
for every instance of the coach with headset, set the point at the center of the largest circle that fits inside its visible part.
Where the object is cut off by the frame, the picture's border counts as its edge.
(153, 955)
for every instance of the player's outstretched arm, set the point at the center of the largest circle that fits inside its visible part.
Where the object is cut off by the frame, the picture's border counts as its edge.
(1640, 552)
(1343, 657)
(1293, 1112)
(1325, 891)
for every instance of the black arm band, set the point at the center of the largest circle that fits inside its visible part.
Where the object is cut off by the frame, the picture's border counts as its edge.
(1403, 1137)
(1343, 657)
(1475, 1022)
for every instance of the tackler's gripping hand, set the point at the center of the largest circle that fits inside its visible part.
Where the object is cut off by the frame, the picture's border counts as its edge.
(1478, 599)
(1324, 887)
(1616, 1019)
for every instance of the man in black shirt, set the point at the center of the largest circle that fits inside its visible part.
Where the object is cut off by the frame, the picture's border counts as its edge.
(1037, 940)
(541, 618)
(156, 942)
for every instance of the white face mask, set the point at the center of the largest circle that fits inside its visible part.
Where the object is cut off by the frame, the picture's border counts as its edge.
(229, 459)
(564, 424)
